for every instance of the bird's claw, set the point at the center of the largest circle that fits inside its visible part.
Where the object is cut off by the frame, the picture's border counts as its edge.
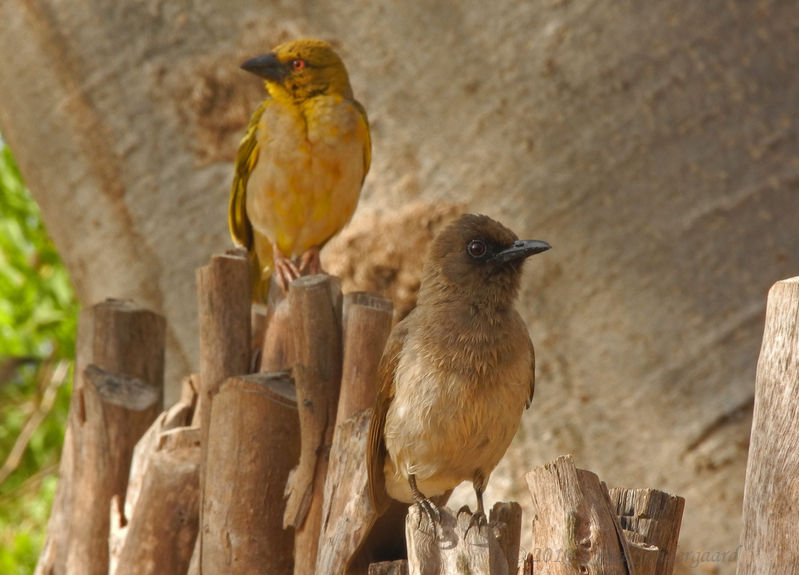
(431, 510)
(478, 520)
(285, 271)
(310, 263)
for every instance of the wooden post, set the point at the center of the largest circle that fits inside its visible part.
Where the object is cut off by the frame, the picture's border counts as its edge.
(574, 527)
(118, 393)
(367, 323)
(770, 539)
(650, 520)
(457, 546)
(317, 374)
(224, 294)
(253, 443)
(505, 520)
(346, 512)
(162, 528)
(277, 349)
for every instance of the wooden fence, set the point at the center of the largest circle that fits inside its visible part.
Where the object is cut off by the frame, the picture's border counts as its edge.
(265, 473)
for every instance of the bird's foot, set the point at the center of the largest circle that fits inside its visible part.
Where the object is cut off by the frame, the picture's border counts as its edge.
(310, 264)
(478, 520)
(285, 269)
(431, 510)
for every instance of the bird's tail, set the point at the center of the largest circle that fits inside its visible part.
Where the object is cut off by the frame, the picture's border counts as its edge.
(262, 266)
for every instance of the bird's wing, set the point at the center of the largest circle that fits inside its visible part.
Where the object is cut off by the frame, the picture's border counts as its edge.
(532, 372)
(367, 145)
(376, 449)
(246, 158)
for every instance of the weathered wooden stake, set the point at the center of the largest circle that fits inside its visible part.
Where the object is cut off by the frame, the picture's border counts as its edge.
(367, 323)
(574, 527)
(317, 375)
(770, 539)
(456, 545)
(224, 294)
(162, 526)
(117, 394)
(277, 349)
(650, 520)
(253, 443)
(346, 511)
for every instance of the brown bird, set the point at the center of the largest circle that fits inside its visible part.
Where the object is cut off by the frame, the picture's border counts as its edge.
(457, 372)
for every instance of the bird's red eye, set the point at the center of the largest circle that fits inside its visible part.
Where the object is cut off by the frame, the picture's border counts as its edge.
(298, 64)
(476, 248)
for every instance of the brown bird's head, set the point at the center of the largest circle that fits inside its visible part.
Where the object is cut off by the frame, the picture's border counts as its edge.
(302, 69)
(476, 259)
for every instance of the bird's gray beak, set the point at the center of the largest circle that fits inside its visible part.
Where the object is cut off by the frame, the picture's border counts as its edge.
(521, 249)
(266, 66)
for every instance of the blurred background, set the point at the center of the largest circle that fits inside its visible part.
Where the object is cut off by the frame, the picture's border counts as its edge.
(654, 145)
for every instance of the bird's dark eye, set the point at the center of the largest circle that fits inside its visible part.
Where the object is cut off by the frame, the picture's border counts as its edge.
(298, 64)
(476, 248)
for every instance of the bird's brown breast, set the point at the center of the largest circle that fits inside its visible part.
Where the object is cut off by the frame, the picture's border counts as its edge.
(456, 406)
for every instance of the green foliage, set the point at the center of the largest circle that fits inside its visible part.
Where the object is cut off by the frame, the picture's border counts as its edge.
(38, 318)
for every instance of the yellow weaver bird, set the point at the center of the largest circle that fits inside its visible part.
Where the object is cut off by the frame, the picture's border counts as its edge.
(301, 164)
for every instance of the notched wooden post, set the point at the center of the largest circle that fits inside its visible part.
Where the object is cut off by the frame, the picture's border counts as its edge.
(650, 520)
(574, 527)
(117, 394)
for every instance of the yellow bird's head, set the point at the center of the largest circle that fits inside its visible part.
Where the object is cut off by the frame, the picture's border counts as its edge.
(302, 69)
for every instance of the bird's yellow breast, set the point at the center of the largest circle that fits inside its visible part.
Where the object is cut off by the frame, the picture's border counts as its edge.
(308, 176)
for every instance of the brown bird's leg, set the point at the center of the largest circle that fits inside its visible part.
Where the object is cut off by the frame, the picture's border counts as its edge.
(285, 269)
(427, 506)
(310, 263)
(479, 483)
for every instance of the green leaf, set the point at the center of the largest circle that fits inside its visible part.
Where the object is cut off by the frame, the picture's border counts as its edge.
(38, 319)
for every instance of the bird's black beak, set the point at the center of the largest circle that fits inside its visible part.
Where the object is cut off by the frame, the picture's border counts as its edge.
(521, 249)
(266, 66)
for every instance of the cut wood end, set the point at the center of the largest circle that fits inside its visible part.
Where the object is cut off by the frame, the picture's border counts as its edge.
(129, 307)
(121, 389)
(309, 282)
(237, 252)
(179, 438)
(277, 386)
